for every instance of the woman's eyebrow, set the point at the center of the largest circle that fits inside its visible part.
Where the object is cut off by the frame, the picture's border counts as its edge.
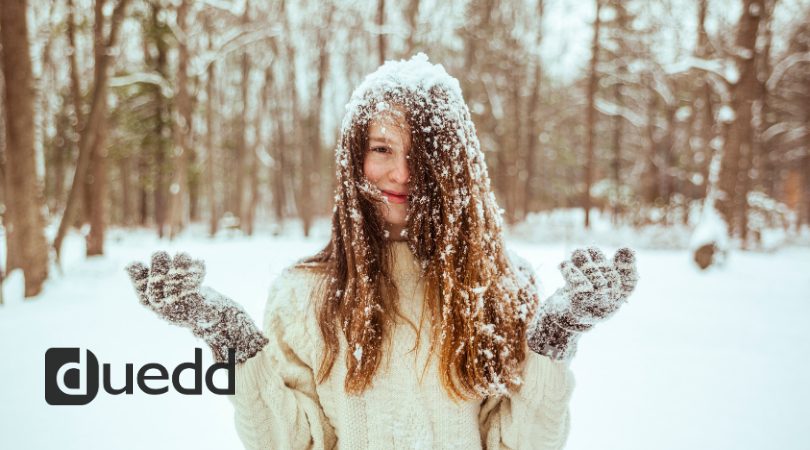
(378, 139)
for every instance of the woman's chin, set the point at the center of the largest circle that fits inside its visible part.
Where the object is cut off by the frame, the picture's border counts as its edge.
(395, 229)
(398, 222)
(396, 215)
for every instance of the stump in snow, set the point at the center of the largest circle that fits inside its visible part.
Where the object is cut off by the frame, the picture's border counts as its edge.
(704, 255)
(709, 242)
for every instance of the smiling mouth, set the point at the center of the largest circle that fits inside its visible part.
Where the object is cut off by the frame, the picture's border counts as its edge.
(396, 197)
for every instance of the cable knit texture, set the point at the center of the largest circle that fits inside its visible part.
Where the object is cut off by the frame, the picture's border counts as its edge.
(278, 404)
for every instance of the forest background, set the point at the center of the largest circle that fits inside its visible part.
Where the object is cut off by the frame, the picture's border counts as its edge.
(664, 114)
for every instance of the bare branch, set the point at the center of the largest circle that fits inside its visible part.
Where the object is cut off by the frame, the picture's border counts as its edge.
(143, 77)
(783, 66)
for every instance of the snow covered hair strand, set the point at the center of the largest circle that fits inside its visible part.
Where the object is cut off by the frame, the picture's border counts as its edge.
(479, 314)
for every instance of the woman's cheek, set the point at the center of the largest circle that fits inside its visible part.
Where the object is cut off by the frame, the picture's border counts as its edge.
(371, 168)
(367, 169)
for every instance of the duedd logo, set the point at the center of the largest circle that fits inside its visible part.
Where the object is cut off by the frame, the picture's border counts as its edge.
(71, 377)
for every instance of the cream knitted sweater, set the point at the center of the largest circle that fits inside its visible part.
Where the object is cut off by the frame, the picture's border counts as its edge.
(278, 404)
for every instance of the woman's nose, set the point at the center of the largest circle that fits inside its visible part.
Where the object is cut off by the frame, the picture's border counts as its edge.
(399, 173)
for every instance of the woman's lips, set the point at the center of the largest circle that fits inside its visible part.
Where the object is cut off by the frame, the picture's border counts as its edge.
(396, 197)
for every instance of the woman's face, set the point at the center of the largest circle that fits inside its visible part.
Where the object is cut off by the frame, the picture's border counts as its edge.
(386, 166)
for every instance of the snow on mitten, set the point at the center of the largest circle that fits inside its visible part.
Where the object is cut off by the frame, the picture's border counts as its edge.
(594, 290)
(171, 288)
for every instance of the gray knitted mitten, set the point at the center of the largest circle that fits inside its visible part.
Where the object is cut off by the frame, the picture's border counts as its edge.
(172, 290)
(594, 290)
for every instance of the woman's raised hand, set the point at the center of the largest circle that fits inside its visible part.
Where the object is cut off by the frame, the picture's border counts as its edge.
(171, 288)
(596, 287)
(594, 290)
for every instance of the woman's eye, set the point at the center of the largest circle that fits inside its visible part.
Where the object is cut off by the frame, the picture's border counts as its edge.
(380, 149)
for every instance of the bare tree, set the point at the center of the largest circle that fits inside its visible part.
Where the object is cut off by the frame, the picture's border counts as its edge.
(411, 12)
(94, 120)
(242, 153)
(210, 118)
(96, 204)
(734, 181)
(160, 113)
(533, 122)
(541, 129)
(25, 236)
(593, 84)
(704, 118)
(380, 25)
(311, 164)
(178, 189)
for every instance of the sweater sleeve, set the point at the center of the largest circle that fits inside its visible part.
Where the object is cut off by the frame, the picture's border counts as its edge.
(276, 404)
(536, 415)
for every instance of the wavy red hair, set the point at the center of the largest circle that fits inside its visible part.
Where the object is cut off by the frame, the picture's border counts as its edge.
(479, 313)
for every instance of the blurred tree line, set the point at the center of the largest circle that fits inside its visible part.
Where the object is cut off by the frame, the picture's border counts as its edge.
(158, 113)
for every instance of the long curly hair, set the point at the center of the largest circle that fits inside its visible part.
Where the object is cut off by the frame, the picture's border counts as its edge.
(479, 314)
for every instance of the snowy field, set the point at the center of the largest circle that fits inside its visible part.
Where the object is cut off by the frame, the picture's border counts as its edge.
(696, 360)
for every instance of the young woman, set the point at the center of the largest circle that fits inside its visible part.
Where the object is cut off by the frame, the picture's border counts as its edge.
(413, 328)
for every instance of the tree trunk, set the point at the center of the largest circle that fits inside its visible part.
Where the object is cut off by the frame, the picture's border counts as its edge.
(95, 193)
(92, 122)
(760, 151)
(209, 140)
(242, 157)
(650, 183)
(380, 25)
(124, 167)
(705, 105)
(86, 204)
(253, 179)
(531, 149)
(78, 111)
(76, 94)
(593, 84)
(518, 163)
(159, 193)
(182, 127)
(410, 15)
(533, 123)
(311, 164)
(61, 157)
(734, 179)
(805, 162)
(253, 194)
(143, 193)
(160, 190)
(294, 197)
(667, 157)
(194, 180)
(2, 142)
(98, 190)
(277, 152)
(618, 123)
(27, 248)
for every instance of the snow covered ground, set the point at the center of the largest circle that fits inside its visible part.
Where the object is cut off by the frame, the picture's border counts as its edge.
(697, 360)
